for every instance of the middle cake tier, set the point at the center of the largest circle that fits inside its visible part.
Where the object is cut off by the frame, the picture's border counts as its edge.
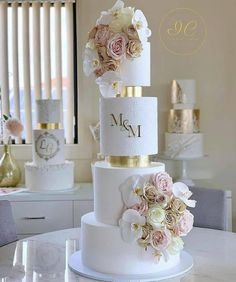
(107, 181)
(128, 126)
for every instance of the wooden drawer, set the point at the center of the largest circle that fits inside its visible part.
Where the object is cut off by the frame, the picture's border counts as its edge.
(44, 216)
(81, 208)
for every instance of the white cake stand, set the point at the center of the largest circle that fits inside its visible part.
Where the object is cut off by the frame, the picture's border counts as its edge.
(77, 266)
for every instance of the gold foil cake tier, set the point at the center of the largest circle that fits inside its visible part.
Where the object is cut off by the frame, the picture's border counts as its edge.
(129, 161)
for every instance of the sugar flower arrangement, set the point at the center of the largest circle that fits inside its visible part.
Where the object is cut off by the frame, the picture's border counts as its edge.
(155, 213)
(10, 127)
(118, 36)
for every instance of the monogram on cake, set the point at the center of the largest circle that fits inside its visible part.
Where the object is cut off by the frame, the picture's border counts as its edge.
(139, 214)
(49, 170)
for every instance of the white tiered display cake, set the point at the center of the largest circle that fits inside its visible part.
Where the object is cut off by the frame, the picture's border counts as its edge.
(183, 139)
(139, 214)
(49, 171)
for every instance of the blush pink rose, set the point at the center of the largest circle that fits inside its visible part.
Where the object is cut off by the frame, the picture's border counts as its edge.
(163, 182)
(185, 224)
(14, 126)
(160, 239)
(102, 35)
(141, 208)
(116, 46)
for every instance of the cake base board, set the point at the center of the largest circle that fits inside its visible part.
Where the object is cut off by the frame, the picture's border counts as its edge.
(56, 191)
(77, 266)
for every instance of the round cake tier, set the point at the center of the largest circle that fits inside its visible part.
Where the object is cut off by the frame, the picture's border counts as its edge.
(49, 177)
(108, 204)
(184, 146)
(128, 126)
(48, 147)
(183, 93)
(136, 72)
(103, 250)
(184, 121)
(48, 111)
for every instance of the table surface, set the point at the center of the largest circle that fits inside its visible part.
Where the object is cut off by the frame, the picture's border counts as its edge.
(45, 257)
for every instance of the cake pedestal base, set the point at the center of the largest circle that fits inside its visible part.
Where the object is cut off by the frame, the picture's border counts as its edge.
(184, 175)
(77, 266)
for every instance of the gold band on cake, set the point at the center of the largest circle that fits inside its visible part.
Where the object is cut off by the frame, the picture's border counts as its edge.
(129, 161)
(184, 121)
(131, 91)
(48, 126)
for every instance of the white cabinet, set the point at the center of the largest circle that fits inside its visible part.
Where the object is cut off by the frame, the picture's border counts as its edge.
(36, 213)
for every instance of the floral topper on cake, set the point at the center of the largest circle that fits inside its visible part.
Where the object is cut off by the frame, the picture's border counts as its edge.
(155, 213)
(118, 36)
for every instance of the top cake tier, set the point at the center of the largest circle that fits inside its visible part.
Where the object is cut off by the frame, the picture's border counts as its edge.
(183, 94)
(48, 111)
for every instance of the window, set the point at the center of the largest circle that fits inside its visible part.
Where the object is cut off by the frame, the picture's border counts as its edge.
(37, 59)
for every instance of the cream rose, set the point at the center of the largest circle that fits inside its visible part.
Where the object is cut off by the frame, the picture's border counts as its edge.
(175, 246)
(162, 181)
(146, 236)
(160, 239)
(150, 193)
(102, 35)
(155, 217)
(171, 219)
(177, 206)
(116, 46)
(184, 225)
(131, 32)
(134, 49)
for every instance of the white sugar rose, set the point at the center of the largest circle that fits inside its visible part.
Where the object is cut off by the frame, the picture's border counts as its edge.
(175, 246)
(163, 182)
(184, 225)
(116, 46)
(155, 217)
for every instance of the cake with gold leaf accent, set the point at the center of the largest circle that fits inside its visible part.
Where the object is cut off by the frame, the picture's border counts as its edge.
(183, 139)
(49, 170)
(139, 214)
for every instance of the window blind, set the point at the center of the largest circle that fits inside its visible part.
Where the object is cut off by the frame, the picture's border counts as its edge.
(37, 60)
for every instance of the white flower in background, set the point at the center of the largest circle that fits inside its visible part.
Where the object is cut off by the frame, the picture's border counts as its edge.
(107, 16)
(175, 246)
(131, 190)
(91, 61)
(110, 84)
(182, 192)
(139, 21)
(131, 225)
(156, 217)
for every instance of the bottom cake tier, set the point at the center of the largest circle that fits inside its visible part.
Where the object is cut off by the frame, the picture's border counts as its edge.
(184, 146)
(49, 177)
(103, 250)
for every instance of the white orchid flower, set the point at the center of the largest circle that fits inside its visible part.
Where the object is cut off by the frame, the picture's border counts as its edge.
(131, 225)
(139, 21)
(91, 61)
(182, 192)
(107, 16)
(110, 84)
(132, 189)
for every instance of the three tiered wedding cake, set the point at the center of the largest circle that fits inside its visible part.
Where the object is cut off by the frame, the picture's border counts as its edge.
(139, 214)
(49, 170)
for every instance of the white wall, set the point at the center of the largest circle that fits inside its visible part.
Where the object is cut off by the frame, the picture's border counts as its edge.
(213, 67)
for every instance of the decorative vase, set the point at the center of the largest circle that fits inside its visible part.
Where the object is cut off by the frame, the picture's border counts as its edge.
(10, 174)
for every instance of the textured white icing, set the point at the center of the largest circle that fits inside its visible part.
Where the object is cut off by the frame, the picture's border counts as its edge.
(184, 146)
(136, 72)
(48, 147)
(108, 204)
(49, 177)
(115, 140)
(48, 111)
(104, 250)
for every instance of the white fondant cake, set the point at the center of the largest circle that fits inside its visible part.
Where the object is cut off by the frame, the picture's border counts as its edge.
(128, 126)
(48, 111)
(48, 147)
(49, 177)
(137, 72)
(186, 146)
(107, 181)
(104, 250)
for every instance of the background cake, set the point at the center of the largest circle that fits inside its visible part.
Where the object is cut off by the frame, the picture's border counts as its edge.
(49, 170)
(134, 228)
(183, 139)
